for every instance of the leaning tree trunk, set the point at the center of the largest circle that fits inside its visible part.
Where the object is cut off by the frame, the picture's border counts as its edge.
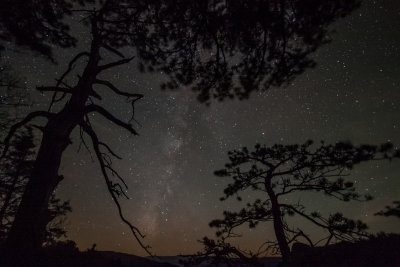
(278, 224)
(27, 233)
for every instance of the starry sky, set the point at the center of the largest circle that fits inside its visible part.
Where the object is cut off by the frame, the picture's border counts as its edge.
(352, 94)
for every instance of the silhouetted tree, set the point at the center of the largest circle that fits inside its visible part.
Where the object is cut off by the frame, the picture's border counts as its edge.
(377, 250)
(221, 253)
(55, 228)
(281, 170)
(223, 48)
(393, 210)
(13, 96)
(227, 49)
(15, 171)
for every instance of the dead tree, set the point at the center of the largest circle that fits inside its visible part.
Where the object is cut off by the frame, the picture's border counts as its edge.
(222, 48)
(27, 231)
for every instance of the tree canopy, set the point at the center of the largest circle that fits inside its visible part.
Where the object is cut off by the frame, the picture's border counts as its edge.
(392, 210)
(36, 24)
(221, 49)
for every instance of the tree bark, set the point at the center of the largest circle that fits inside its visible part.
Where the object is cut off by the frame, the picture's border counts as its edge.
(27, 233)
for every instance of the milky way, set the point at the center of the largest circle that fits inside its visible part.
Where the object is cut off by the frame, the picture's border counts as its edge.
(352, 94)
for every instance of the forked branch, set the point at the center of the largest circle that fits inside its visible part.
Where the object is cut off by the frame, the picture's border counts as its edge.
(112, 188)
(71, 66)
(110, 117)
(61, 80)
(109, 150)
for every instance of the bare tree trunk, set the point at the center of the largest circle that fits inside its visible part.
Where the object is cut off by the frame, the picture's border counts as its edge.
(27, 233)
(278, 224)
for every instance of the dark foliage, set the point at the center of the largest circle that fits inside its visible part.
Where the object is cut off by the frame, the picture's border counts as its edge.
(281, 170)
(38, 25)
(15, 171)
(225, 49)
(13, 96)
(379, 250)
(221, 253)
(393, 210)
(14, 174)
(222, 48)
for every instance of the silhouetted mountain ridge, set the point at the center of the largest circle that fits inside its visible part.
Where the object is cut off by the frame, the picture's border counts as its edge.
(95, 258)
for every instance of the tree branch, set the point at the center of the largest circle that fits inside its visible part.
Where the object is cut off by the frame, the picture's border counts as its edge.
(53, 89)
(63, 90)
(71, 65)
(110, 117)
(114, 64)
(112, 50)
(109, 150)
(60, 81)
(304, 215)
(15, 127)
(110, 186)
(117, 91)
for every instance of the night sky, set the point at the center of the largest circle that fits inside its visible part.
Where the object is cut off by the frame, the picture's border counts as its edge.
(352, 94)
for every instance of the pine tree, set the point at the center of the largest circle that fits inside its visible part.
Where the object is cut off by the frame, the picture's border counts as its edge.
(15, 171)
(277, 172)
